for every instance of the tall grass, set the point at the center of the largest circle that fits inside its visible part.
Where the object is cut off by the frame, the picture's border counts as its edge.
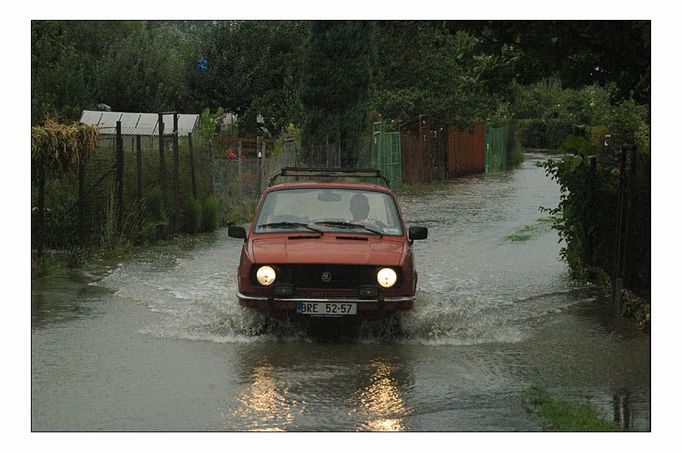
(210, 208)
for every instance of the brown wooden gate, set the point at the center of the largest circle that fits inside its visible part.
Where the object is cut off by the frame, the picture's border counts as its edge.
(409, 145)
(417, 152)
(466, 150)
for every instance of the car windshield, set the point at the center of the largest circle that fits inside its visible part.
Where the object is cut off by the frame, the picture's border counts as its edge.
(327, 209)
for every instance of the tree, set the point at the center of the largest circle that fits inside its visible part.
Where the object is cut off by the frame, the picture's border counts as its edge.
(251, 69)
(335, 87)
(144, 72)
(579, 53)
(57, 76)
(422, 68)
(65, 57)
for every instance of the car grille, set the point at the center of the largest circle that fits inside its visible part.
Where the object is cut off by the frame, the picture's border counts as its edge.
(326, 294)
(311, 275)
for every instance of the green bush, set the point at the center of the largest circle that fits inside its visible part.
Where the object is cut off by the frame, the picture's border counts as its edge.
(557, 129)
(544, 134)
(533, 133)
(156, 213)
(575, 144)
(596, 136)
(547, 99)
(629, 124)
(210, 209)
(587, 217)
(536, 100)
(148, 233)
(191, 216)
(154, 204)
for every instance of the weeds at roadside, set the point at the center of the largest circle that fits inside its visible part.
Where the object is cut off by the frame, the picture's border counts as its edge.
(559, 415)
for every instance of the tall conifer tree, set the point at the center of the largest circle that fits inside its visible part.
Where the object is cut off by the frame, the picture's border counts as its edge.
(335, 88)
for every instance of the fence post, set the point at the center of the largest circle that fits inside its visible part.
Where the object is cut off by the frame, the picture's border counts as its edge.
(162, 159)
(119, 178)
(138, 149)
(257, 170)
(176, 172)
(337, 155)
(239, 169)
(420, 150)
(81, 199)
(261, 157)
(295, 150)
(140, 194)
(210, 168)
(327, 152)
(191, 165)
(41, 210)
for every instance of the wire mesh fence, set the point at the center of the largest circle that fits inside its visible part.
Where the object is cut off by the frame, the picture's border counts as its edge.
(148, 184)
(238, 181)
(133, 185)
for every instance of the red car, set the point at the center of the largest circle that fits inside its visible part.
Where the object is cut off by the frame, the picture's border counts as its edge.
(327, 248)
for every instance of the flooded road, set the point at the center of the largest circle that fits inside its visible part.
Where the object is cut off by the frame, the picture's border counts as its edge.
(160, 342)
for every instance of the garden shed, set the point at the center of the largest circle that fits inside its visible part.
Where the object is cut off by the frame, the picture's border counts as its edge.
(145, 125)
(139, 123)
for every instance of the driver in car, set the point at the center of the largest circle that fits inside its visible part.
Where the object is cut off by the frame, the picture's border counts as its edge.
(359, 208)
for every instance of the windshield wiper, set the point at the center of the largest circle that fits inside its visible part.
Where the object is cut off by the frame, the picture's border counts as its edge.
(349, 225)
(290, 225)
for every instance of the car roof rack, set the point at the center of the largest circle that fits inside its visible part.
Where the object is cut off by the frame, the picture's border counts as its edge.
(313, 172)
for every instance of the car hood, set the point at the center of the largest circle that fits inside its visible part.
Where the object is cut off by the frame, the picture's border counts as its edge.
(328, 249)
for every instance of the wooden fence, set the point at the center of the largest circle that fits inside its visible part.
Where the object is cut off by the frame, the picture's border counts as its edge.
(466, 151)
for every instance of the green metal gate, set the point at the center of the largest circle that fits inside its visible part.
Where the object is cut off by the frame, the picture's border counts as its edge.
(496, 140)
(386, 155)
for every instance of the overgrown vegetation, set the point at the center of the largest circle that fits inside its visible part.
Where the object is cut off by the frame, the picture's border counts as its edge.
(57, 147)
(587, 217)
(55, 150)
(559, 415)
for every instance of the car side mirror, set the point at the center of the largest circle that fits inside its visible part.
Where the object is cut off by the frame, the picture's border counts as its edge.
(417, 233)
(236, 231)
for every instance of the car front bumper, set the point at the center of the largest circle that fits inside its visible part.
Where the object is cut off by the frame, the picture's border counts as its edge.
(366, 308)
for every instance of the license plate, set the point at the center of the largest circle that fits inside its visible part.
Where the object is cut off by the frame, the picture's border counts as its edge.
(326, 308)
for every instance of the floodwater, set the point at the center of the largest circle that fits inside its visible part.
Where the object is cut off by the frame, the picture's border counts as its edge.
(160, 342)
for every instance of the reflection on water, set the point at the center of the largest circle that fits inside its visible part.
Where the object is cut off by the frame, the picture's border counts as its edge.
(381, 401)
(67, 295)
(264, 404)
(322, 387)
(621, 410)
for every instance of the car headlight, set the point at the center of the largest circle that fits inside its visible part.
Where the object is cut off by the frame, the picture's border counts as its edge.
(266, 275)
(387, 277)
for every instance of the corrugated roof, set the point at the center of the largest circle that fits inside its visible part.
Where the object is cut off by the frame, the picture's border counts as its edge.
(138, 123)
